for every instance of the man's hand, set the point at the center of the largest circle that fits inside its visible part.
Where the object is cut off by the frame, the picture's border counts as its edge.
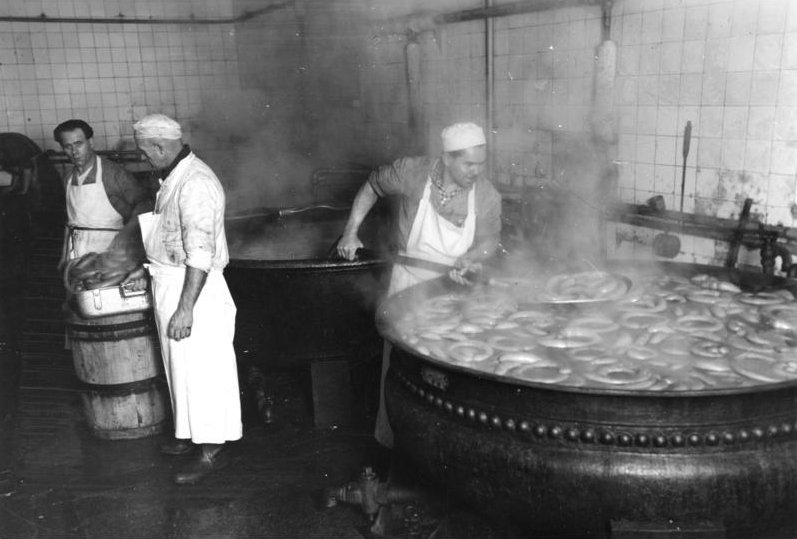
(136, 280)
(180, 325)
(348, 245)
(463, 266)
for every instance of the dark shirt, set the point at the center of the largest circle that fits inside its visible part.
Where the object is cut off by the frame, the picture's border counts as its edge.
(184, 152)
(407, 177)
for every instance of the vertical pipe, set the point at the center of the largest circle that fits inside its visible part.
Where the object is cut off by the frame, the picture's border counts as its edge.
(417, 129)
(489, 88)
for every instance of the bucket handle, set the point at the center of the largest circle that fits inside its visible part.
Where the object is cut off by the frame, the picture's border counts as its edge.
(125, 290)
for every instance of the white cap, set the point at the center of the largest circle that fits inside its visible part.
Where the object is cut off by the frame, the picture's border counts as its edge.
(157, 126)
(462, 135)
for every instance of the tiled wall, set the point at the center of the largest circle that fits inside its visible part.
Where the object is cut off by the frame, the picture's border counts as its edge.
(112, 74)
(269, 100)
(728, 66)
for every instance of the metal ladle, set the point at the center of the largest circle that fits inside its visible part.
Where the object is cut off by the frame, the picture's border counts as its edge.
(668, 245)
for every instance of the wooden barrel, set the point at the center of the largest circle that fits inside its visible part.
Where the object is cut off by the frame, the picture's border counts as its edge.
(117, 358)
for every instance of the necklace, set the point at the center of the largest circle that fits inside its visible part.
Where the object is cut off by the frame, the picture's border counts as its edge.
(445, 197)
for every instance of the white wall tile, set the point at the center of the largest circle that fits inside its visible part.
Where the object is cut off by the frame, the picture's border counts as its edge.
(667, 121)
(648, 90)
(764, 87)
(791, 17)
(744, 18)
(761, 122)
(785, 126)
(632, 29)
(649, 59)
(757, 155)
(669, 86)
(781, 190)
(673, 24)
(772, 16)
(664, 180)
(693, 56)
(691, 87)
(737, 88)
(768, 50)
(647, 120)
(720, 16)
(741, 53)
(628, 60)
(671, 55)
(715, 59)
(710, 152)
(784, 158)
(789, 51)
(696, 23)
(645, 149)
(713, 89)
(734, 122)
(787, 90)
(652, 21)
(665, 150)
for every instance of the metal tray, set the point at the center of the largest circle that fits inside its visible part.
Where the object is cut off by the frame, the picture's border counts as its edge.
(112, 300)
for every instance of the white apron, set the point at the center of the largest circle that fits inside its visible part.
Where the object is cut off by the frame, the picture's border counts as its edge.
(92, 222)
(201, 369)
(434, 238)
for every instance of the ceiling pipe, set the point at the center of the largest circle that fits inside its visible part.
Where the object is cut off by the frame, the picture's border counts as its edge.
(121, 19)
(424, 22)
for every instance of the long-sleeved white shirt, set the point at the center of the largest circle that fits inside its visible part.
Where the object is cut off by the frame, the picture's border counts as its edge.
(191, 203)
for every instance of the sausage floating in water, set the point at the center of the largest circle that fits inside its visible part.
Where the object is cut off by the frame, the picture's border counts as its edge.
(672, 334)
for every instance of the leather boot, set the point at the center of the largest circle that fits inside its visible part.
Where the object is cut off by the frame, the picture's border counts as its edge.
(210, 458)
(177, 446)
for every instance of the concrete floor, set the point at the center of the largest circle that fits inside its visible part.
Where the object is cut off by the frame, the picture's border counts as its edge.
(59, 481)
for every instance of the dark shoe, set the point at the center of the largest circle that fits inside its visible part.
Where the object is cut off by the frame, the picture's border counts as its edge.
(177, 446)
(204, 464)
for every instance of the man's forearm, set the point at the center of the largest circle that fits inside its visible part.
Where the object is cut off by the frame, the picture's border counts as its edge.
(363, 202)
(193, 283)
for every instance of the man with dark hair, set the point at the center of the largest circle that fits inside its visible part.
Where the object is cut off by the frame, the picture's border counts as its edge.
(101, 196)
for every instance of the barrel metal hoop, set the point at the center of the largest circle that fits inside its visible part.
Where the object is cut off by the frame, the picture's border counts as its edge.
(134, 328)
(123, 390)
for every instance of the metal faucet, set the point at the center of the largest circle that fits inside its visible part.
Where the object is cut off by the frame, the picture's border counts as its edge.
(770, 250)
(369, 493)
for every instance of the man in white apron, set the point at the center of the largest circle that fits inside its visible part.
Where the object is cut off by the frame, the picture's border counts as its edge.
(101, 196)
(187, 251)
(448, 213)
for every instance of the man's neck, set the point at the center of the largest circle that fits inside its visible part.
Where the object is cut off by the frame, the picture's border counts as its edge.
(88, 166)
(182, 154)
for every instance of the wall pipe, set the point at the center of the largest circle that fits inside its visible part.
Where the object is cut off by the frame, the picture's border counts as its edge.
(423, 22)
(489, 86)
(515, 8)
(121, 19)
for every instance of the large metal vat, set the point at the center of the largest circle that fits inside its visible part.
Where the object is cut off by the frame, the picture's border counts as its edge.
(598, 462)
(297, 300)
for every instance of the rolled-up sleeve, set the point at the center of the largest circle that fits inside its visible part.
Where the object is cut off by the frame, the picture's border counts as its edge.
(201, 209)
(390, 179)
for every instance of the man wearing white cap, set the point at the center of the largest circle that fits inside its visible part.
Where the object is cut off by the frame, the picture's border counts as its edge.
(187, 250)
(448, 213)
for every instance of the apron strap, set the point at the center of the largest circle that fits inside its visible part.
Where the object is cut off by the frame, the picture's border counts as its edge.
(73, 228)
